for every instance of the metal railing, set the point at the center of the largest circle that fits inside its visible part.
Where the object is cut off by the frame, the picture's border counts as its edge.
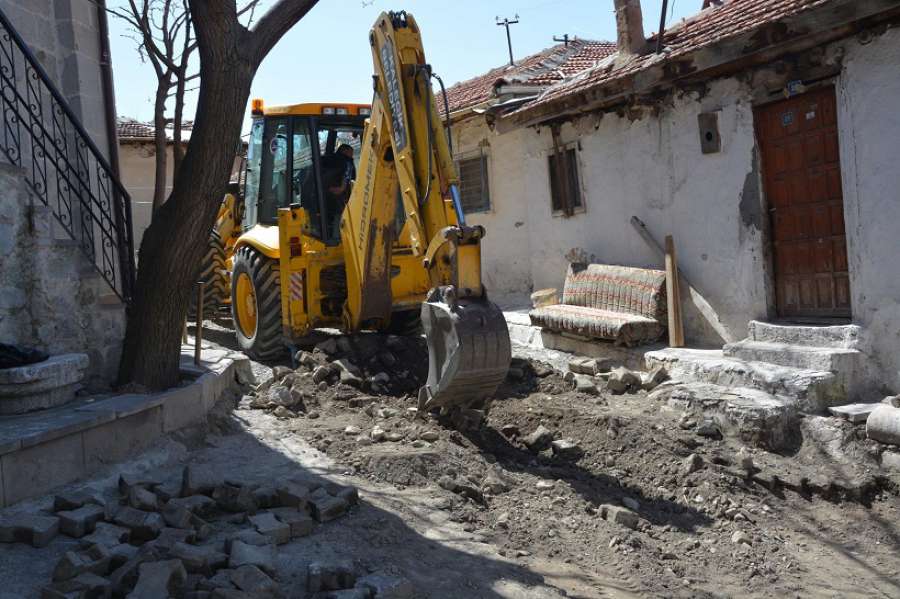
(63, 167)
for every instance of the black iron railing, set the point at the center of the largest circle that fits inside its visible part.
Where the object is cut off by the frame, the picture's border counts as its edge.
(63, 167)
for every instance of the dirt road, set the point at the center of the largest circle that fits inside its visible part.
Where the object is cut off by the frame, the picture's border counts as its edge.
(632, 499)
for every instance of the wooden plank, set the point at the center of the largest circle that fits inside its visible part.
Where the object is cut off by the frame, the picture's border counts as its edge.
(673, 299)
(696, 298)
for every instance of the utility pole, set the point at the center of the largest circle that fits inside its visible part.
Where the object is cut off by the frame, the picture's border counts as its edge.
(564, 39)
(506, 23)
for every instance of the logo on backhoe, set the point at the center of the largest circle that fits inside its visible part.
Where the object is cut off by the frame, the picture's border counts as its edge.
(392, 82)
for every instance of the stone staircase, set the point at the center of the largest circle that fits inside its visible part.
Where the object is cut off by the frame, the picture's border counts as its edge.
(760, 384)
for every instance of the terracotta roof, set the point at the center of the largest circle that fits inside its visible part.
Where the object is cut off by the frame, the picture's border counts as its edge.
(130, 130)
(538, 70)
(711, 25)
(134, 129)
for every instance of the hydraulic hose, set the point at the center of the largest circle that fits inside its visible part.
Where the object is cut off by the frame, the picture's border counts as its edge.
(446, 112)
(430, 134)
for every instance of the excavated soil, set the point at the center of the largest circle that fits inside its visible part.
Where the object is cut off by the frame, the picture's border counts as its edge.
(713, 519)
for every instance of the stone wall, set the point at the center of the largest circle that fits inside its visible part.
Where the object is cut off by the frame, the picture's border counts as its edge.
(648, 163)
(50, 296)
(63, 35)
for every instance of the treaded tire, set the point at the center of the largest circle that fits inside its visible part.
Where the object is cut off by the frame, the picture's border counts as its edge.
(212, 272)
(266, 342)
(407, 323)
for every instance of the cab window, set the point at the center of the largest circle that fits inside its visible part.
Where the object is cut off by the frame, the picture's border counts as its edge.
(274, 186)
(251, 182)
(304, 189)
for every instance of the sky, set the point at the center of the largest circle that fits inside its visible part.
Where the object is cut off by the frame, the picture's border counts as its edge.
(326, 56)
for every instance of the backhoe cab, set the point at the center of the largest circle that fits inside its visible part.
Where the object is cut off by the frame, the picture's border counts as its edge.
(352, 220)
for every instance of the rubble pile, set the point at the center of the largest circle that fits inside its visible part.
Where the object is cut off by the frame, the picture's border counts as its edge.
(207, 537)
(343, 368)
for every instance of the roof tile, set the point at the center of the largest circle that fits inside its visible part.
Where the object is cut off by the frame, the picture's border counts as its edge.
(711, 25)
(538, 70)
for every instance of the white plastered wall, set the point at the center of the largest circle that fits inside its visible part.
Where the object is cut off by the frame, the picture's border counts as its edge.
(868, 96)
(651, 166)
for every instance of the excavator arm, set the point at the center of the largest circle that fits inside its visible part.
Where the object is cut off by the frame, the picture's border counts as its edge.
(406, 158)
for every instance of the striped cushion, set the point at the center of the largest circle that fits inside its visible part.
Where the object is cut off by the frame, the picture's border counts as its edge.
(637, 291)
(624, 329)
(602, 301)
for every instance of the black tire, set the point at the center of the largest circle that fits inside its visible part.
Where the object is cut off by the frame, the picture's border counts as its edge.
(266, 341)
(212, 273)
(407, 323)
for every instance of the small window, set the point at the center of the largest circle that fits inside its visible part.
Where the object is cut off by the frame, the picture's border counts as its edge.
(474, 189)
(565, 189)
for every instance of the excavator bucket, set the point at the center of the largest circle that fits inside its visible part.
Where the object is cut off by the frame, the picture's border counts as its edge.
(468, 353)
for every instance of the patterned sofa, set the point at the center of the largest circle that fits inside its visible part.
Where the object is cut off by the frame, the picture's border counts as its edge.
(617, 303)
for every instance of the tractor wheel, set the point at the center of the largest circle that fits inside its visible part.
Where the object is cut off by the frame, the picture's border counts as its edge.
(212, 273)
(256, 304)
(407, 323)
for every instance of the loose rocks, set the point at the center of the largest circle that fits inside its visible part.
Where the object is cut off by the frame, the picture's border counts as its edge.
(692, 463)
(36, 531)
(566, 449)
(741, 538)
(94, 559)
(262, 556)
(539, 440)
(77, 523)
(267, 524)
(622, 380)
(329, 576)
(159, 579)
(620, 515)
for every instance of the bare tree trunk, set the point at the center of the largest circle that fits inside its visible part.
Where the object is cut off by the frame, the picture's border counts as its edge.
(159, 140)
(176, 239)
(177, 122)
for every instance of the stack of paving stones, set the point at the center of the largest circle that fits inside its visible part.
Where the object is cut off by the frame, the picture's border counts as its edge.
(205, 538)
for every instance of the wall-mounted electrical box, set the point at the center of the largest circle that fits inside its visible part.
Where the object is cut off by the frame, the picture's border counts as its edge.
(710, 140)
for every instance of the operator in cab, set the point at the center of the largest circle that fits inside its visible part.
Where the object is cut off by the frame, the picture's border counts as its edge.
(338, 173)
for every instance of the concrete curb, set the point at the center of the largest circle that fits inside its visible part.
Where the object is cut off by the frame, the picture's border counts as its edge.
(47, 449)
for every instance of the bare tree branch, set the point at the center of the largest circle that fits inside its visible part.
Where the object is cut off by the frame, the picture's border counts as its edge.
(275, 22)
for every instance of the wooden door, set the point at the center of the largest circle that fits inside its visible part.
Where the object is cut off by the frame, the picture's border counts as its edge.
(798, 139)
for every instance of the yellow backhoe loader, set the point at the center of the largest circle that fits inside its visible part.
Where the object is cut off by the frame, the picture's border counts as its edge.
(352, 219)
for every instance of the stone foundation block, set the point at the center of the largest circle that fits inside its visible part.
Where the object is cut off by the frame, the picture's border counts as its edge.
(159, 579)
(300, 523)
(36, 531)
(74, 563)
(261, 556)
(329, 576)
(46, 384)
(82, 521)
(267, 524)
(325, 507)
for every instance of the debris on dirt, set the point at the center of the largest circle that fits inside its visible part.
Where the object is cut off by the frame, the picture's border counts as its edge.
(651, 380)
(539, 440)
(621, 380)
(589, 366)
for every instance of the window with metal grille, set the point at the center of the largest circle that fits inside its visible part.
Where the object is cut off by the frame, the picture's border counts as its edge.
(473, 184)
(565, 189)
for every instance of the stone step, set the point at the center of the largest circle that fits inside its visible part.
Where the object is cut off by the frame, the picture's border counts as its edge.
(829, 359)
(751, 415)
(838, 336)
(812, 390)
